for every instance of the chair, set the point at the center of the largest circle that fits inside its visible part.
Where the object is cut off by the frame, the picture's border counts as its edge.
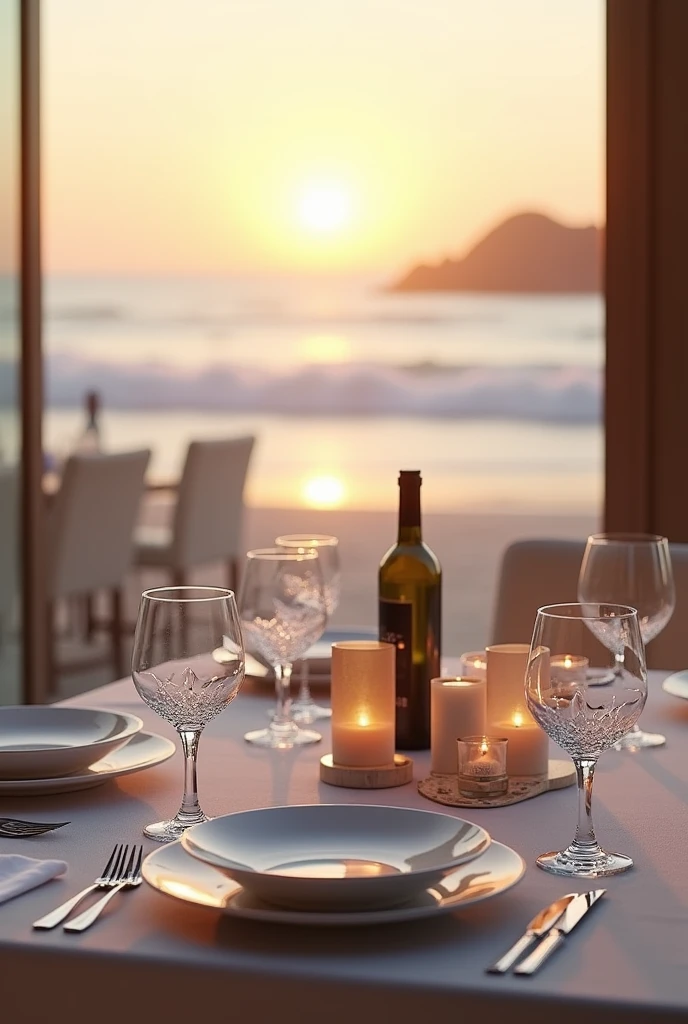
(91, 526)
(208, 516)
(538, 572)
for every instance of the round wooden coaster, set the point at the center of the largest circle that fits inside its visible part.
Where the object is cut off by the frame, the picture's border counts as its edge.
(382, 777)
(444, 789)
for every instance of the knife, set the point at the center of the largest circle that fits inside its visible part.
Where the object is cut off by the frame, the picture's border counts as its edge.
(576, 909)
(538, 927)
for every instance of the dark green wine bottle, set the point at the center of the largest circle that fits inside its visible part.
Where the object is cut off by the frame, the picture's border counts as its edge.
(410, 617)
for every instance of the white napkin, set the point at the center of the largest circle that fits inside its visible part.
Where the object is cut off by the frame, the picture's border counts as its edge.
(19, 874)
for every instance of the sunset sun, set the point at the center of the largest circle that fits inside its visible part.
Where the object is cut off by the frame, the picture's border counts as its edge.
(324, 207)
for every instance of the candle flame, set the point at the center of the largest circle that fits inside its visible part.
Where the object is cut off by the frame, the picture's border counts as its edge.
(517, 719)
(567, 662)
(363, 721)
(483, 747)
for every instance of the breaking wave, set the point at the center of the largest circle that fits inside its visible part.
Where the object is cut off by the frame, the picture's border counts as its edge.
(555, 394)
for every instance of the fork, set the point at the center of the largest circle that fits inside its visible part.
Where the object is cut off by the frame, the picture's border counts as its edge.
(129, 877)
(109, 877)
(24, 829)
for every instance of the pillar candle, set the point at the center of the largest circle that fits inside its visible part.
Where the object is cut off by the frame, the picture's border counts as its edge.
(457, 708)
(505, 677)
(363, 701)
(527, 751)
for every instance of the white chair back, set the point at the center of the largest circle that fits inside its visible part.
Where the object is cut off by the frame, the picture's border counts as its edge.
(538, 572)
(208, 516)
(92, 522)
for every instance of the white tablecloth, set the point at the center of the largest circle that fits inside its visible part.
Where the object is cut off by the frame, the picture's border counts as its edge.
(154, 958)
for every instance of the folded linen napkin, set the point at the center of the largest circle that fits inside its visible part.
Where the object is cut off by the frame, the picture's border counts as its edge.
(19, 874)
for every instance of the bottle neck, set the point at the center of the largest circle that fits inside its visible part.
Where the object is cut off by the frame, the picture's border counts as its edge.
(409, 511)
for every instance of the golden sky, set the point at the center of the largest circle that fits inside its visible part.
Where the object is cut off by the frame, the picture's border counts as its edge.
(338, 135)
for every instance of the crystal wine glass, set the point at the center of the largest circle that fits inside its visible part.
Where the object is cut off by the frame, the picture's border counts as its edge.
(633, 569)
(283, 613)
(304, 708)
(187, 665)
(585, 720)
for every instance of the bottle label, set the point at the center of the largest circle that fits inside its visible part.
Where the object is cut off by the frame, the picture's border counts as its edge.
(396, 627)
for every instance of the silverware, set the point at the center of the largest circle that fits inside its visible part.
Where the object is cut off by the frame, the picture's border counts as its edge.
(540, 924)
(129, 878)
(25, 829)
(577, 909)
(109, 877)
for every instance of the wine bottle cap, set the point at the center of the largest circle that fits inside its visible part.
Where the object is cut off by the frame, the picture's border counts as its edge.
(408, 474)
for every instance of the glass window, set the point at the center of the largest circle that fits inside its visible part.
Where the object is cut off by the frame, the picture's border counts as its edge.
(367, 232)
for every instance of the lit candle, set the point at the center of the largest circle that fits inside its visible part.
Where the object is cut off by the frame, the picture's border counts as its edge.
(485, 765)
(506, 672)
(457, 708)
(363, 702)
(482, 765)
(528, 747)
(568, 668)
(473, 664)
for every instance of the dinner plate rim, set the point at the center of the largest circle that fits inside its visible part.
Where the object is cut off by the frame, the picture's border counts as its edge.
(133, 725)
(668, 684)
(217, 861)
(279, 915)
(88, 780)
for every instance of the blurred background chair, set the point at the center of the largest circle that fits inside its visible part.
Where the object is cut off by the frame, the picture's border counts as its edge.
(538, 572)
(91, 524)
(207, 520)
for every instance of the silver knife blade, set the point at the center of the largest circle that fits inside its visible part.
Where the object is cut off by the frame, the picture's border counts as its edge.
(576, 910)
(541, 923)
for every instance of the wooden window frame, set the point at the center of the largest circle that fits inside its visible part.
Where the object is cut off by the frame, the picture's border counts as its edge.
(646, 277)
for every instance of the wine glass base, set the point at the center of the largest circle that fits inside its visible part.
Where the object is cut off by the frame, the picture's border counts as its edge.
(598, 865)
(170, 831)
(276, 739)
(308, 711)
(640, 740)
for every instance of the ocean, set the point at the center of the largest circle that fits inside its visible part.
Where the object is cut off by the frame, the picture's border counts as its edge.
(496, 399)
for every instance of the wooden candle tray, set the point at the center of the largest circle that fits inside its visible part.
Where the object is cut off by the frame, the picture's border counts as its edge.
(444, 789)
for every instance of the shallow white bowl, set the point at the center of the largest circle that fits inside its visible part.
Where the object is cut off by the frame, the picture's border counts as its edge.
(40, 741)
(336, 856)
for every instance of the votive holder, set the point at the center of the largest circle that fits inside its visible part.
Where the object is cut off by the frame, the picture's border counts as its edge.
(482, 765)
(473, 664)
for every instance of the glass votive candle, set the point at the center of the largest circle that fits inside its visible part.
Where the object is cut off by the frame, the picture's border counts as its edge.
(568, 668)
(473, 664)
(482, 765)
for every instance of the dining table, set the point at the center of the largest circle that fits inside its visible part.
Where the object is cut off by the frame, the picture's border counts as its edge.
(155, 957)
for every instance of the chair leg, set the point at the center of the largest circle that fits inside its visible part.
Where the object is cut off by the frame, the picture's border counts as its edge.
(232, 565)
(50, 658)
(116, 631)
(89, 616)
(179, 580)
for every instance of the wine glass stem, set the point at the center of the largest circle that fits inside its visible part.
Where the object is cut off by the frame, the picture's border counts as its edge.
(283, 693)
(304, 687)
(190, 808)
(585, 839)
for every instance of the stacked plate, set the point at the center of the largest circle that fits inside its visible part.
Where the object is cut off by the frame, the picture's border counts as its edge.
(50, 748)
(334, 864)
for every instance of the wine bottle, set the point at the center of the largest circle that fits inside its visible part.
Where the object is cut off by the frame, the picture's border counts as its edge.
(410, 616)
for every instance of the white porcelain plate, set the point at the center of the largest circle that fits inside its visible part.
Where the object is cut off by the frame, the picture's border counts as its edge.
(171, 871)
(336, 856)
(43, 741)
(677, 684)
(144, 750)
